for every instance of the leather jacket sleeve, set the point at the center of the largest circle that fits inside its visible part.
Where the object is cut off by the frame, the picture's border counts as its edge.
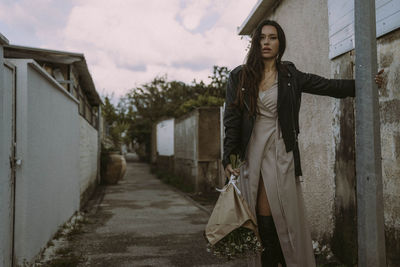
(317, 85)
(232, 120)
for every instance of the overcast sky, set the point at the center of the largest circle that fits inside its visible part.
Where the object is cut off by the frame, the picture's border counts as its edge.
(129, 42)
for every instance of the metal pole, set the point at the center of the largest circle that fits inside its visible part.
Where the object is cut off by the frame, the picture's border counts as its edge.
(371, 236)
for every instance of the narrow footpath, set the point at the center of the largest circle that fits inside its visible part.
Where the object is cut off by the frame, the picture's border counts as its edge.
(143, 222)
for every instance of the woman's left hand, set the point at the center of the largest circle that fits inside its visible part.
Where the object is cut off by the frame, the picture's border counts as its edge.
(379, 78)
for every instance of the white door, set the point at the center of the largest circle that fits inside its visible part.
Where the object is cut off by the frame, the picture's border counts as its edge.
(7, 177)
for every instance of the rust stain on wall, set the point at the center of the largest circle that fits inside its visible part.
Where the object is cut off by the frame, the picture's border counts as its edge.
(344, 240)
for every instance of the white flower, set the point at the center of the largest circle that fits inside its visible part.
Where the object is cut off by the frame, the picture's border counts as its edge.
(315, 244)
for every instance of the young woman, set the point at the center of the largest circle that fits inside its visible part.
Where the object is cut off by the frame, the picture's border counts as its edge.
(261, 125)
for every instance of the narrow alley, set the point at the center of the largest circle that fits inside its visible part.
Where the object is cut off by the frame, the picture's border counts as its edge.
(142, 222)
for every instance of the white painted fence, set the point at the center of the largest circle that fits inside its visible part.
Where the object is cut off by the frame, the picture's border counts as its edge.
(43, 189)
(47, 181)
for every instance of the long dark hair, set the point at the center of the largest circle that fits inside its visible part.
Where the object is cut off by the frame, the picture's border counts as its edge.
(253, 69)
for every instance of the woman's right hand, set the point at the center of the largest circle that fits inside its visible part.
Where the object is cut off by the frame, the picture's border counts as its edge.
(229, 171)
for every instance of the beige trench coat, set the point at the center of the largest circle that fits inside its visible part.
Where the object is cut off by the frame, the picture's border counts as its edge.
(267, 158)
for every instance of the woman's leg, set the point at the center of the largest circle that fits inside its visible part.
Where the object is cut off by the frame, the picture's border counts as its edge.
(263, 208)
(272, 254)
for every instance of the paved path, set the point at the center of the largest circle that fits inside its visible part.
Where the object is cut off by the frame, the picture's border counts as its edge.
(143, 222)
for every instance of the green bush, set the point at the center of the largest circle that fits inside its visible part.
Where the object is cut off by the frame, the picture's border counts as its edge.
(200, 101)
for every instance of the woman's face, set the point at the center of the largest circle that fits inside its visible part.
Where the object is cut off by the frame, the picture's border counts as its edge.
(269, 42)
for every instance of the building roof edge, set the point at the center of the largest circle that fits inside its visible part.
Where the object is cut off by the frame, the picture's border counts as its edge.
(259, 11)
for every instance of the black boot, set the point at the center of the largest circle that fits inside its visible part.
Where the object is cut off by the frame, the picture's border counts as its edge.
(272, 254)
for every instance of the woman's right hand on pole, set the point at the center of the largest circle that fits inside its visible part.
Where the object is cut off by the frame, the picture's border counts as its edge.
(229, 171)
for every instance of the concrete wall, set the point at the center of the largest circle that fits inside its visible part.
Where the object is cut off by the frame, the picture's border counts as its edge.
(327, 132)
(165, 137)
(305, 23)
(389, 99)
(166, 163)
(209, 164)
(88, 152)
(47, 182)
(209, 134)
(388, 59)
(153, 144)
(186, 146)
(197, 148)
(344, 237)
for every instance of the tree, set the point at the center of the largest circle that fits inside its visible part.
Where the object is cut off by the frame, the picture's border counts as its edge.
(142, 106)
(115, 123)
(219, 80)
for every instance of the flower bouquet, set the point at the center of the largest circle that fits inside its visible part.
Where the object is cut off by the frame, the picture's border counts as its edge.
(232, 230)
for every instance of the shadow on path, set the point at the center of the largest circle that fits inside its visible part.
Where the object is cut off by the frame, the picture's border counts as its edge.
(143, 222)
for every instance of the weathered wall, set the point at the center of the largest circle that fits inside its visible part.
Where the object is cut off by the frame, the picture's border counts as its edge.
(345, 236)
(197, 148)
(209, 167)
(344, 239)
(389, 100)
(209, 134)
(88, 165)
(305, 23)
(186, 146)
(209, 173)
(166, 163)
(327, 132)
(47, 182)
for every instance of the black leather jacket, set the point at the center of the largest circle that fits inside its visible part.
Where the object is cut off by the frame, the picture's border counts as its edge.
(291, 83)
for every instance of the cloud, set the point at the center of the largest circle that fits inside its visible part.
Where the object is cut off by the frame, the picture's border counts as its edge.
(193, 12)
(129, 42)
(34, 23)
